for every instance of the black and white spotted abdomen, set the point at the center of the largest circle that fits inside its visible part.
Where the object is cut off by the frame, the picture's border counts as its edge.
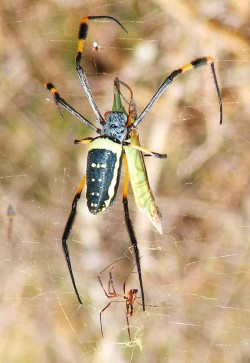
(103, 173)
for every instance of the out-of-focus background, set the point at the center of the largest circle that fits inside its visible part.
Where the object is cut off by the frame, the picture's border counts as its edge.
(197, 273)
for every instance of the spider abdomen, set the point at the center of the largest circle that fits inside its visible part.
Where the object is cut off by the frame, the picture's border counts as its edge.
(103, 173)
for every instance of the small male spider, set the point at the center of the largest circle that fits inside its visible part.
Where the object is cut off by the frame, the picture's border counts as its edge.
(129, 297)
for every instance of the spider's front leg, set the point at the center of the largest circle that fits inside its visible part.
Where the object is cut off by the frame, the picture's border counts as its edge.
(60, 101)
(82, 35)
(187, 67)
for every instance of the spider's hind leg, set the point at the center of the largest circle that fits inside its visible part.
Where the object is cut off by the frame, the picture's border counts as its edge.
(66, 233)
(131, 229)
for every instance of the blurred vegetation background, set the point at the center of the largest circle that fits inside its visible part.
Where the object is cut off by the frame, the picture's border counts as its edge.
(197, 272)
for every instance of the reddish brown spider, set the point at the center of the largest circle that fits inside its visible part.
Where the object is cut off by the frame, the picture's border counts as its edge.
(130, 296)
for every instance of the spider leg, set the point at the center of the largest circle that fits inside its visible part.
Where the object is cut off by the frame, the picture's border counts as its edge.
(82, 35)
(87, 140)
(124, 284)
(66, 233)
(111, 282)
(147, 151)
(194, 64)
(117, 301)
(109, 294)
(131, 229)
(100, 281)
(128, 327)
(60, 101)
(150, 305)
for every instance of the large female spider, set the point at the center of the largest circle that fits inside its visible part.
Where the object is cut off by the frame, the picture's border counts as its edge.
(117, 140)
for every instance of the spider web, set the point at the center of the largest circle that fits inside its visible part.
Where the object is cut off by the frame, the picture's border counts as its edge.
(196, 274)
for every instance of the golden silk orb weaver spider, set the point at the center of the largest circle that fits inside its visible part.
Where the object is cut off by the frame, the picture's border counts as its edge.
(117, 140)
